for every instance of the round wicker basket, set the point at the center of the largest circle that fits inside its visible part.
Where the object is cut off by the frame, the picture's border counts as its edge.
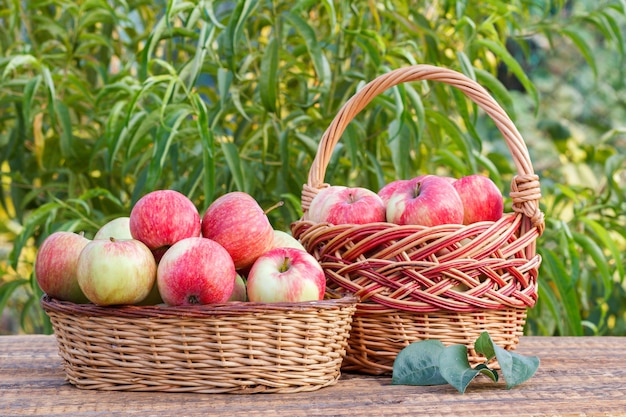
(234, 347)
(449, 282)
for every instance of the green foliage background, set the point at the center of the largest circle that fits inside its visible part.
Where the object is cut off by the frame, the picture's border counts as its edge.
(104, 101)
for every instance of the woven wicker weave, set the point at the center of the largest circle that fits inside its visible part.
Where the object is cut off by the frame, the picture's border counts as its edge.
(448, 282)
(227, 348)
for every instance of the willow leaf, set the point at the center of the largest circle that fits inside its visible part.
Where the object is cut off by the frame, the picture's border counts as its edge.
(320, 63)
(584, 48)
(268, 83)
(501, 52)
(593, 250)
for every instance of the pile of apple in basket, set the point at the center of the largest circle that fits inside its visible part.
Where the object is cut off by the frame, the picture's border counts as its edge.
(165, 252)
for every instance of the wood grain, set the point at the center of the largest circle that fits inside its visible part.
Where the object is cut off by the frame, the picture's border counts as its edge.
(578, 376)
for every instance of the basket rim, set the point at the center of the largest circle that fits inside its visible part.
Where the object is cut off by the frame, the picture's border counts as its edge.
(232, 308)
(525, 186)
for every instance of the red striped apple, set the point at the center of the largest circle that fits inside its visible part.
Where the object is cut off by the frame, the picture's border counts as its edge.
(196, 270)
(338, 204)
(387, 191)
(55, 266)
(163, 217)
(286, 275)
(112, 272)
(481, 197)
(237, 222)
(426, 200)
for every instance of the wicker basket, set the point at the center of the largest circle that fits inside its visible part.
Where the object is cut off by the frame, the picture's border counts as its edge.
(448, 282)
(227, 348)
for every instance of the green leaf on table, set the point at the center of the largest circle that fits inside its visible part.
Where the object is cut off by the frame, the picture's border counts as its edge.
(484, 346)
(455, 368)
(516, 368)
(418, 364)
(487, 371)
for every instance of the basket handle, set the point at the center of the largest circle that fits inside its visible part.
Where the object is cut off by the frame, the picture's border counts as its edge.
(525, 187)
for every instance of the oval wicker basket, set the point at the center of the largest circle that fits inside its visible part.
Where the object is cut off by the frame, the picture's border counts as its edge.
(449, 282)
(236, 347)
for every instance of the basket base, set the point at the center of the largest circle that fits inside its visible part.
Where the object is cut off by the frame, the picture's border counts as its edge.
(235, 348)
(377, 337)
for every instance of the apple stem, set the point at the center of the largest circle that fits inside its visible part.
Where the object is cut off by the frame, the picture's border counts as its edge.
(285, 265)
(112, 239)
(275, 206)
(418, 189)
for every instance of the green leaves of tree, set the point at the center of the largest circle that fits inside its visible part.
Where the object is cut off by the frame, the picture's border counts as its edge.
(234, 32)
(268, 85)
(215, 95)
(428, 362)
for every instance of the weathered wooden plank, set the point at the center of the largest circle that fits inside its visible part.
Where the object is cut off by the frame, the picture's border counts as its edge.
(577, 376)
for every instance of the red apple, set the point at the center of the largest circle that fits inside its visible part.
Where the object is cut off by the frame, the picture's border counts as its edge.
(237, 222)
(481, 197)
(285, 240)
(286, 274)
(196, 270)
(338, 204)
(281, 240)
(163, 217)
(426, 200)
(112, 272)
(55, 266)
(387, 191)
(118, 228)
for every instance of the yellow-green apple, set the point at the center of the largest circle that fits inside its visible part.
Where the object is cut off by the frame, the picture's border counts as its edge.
(163, 217)
(427, 200)
(286, 275)
(112, 272)
(237, 222)
(239, 290)
(55, 266)
(118, 228)
(339, 204)
(196, 270)
(481, 197)
(285, 240)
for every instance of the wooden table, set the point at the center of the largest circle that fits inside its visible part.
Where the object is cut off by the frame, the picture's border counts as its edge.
(577, 376)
